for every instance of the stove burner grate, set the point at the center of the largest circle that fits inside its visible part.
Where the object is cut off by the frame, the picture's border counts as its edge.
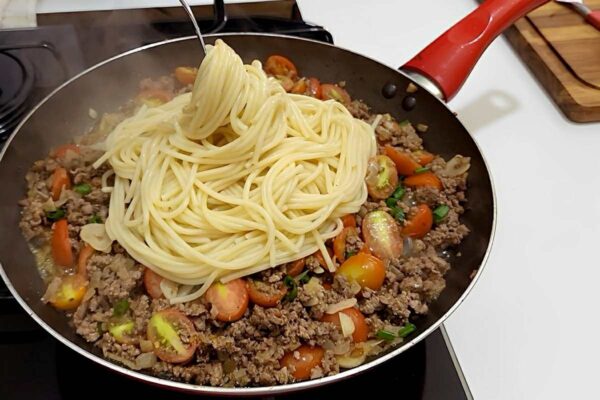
(16, 83)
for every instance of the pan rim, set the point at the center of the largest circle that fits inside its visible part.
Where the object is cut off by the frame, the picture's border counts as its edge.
(260, 390)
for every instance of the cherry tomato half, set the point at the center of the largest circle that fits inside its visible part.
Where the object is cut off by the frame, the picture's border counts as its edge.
(361, 330)
(420, 223)
(382, 177)
(382, 235)
(308, 358)
(173, 336)
(365, 269)
(339, 243)
(70, 293)
(265, 294)
(296, 267)
(280, 65)
(334, 92)
(229, 299)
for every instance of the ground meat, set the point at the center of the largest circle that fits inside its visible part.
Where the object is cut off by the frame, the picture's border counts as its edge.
(247, 352)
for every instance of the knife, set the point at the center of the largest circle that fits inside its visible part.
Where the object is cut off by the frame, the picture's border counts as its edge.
(592, 17)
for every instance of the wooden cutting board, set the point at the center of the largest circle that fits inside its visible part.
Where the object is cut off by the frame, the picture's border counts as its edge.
(563, 51)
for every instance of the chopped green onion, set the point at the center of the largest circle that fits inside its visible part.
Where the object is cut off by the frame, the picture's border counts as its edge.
(440, 212)
(391, 202)
(421, 170)
(398, 193)
(349, 254)
(55, 215)
(385, 335)
(95, 219)
(397, 213)
(406, 330)
(404, 123)
(303, 277)
(83, 189)
(292, 288)
(99, 327)
(120, 307)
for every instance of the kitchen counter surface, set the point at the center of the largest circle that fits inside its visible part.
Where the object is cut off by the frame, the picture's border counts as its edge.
(528, 329)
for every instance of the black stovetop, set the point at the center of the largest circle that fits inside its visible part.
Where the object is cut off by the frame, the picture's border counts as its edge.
(36, 366)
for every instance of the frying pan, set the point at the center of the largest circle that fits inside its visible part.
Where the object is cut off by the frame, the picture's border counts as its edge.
(438, 71)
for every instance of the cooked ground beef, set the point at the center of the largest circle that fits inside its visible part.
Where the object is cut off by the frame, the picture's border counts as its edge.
(246, 352)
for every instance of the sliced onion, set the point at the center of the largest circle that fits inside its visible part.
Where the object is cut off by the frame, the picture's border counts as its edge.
(49, 205)
(95, 235)
(342, 305)
(63, 198)
(115, 357)
(146, 346)
(169, 288)
(458, 165)
(353, 358)
(145, 360)
(347, 324)
(312, 289)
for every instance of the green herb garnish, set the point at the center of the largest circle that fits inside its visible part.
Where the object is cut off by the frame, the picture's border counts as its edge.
(391, 202)
(349, 254)
(292, 286)
(440, 213)
(421, 170)
(120, 307)
(55, 215)
(83, 189)
(398, 193)
(385, 335)
(397, 213)
(95, 219)
(404, 123)
(406, 330)
(303, 277)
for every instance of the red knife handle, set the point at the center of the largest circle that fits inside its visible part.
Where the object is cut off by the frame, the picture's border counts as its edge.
(448, 61)
(594, 18)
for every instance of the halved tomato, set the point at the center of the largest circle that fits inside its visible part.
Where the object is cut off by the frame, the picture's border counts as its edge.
(69, 294)
(62, 253)
(229, 299)
(60, 181)
(122, 331)
(172, 335)
(405, 163)
(365, 269)
(295, 267)
(425, 179)
(339, 243)
(382, 177)
(265, 294)
(280, 65)
(382, 235)
(84, 255)
(349, 220)
(300, 86)
(152, 283)
(334, 92)
(314, 88)
(186, 75)
(420, 223)
(423, 157)
(302, 360)
(361, 330)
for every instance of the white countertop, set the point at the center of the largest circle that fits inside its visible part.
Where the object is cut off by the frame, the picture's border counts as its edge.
(528, 330)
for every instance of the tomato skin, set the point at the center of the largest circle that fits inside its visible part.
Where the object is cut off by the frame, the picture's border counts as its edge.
(296, 267)
(420, 223)
(339, 243)
(60, 181)
(334, 92)
(382, 177)
(70, 293)
(361, 330)
(300, 86)
(186, 75)
(84, 255)
(280, 65)
(423, 157)
(314, 88)
(425, 179)
(382, 235)
(263, 299)
(152, 283)
(405, 164)
(309, 358)
(166, 326)
(367, 270)
(349, 220)
(230, 299)
(62, 253)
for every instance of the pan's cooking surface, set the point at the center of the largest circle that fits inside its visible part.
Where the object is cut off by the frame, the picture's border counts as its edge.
(51, 125)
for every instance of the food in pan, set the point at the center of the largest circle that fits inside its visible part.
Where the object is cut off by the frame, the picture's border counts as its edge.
(234, 226)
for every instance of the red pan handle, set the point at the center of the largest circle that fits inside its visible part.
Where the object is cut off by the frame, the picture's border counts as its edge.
(448, 61)
(594, 19)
